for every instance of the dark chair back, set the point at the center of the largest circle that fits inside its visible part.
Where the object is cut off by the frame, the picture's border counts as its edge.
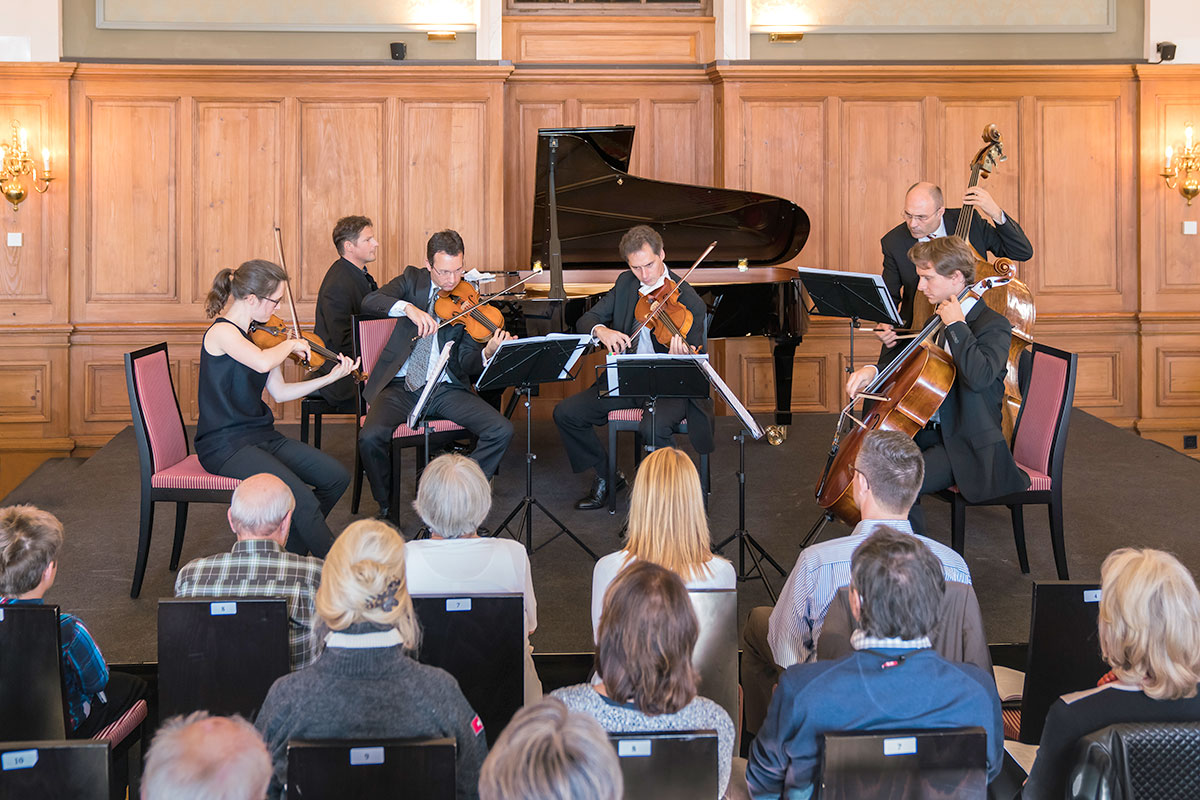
(669, 765)
(716, 654)
(1064, 649)
(55, 770)
(1040, 432)
(914, 764)
(220, 654)
(1142, 760)
(480, 640)
(31, 688)
(395, 769)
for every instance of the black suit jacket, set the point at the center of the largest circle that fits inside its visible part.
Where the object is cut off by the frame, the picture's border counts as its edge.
(339, 299)
(900, 276)
(413, 285)
(970, 415)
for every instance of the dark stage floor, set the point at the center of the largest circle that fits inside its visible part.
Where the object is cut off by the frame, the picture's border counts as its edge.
(1120, 490)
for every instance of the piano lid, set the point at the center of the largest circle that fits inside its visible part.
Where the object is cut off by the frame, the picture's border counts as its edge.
(598, 200)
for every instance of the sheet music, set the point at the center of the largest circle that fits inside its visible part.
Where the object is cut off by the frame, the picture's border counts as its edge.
(613, 364)
(581, 341)
(439, 368)
(732, 401)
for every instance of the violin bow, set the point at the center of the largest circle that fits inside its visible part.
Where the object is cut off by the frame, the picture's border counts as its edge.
(287, 286)
(662, 303)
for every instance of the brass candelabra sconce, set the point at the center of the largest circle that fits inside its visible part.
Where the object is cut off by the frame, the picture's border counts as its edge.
(1182, 170)
(15, 164)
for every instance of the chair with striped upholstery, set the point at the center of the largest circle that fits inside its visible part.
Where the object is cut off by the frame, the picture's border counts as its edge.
(370, 337)
(630, 419)
(1039, 445)
(170, 472)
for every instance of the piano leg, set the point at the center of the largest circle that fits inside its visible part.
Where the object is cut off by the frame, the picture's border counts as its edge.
(784, 351)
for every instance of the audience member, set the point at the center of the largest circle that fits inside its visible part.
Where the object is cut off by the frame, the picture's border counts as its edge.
(887, 477)
(199, 757)
(894, 679)
(260, 516)
(30, 539)
(1149, 629)
(644, 662)
(549, 753)
(453, 500)
(364, 685)
(668, 526)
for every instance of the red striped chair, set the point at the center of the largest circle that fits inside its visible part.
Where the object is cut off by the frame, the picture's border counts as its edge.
(370, 337)
(170, 472)
(630, 420)
(1039, 445)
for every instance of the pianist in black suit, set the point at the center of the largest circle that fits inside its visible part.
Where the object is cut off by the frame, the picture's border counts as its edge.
(403, 368)
(611, 321)
(340, 297)
(926, 217)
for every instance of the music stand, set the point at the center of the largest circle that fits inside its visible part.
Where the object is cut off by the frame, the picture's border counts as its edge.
(416, 417)
(853, 295)
(653, 376)
(745, 539)
(524, 364)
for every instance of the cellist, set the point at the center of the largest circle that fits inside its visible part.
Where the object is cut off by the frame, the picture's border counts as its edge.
(963, 444)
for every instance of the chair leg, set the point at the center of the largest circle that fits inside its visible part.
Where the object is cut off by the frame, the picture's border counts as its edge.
(705, 479)
(358, 478)
(303, 426)
(1056, 535)
(145, 529)
(612, 468)
(1018, 523)
(958, 524)
(394, 489)
(317, 431)
(181, 510)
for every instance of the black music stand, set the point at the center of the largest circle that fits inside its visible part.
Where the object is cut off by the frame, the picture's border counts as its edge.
(653, 376)
(417, 419)
(524, 364)
(854, 296)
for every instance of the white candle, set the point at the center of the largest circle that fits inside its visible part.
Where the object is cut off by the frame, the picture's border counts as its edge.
(1187, 138)
(1170, 153)
(24, 140)
(46, 159)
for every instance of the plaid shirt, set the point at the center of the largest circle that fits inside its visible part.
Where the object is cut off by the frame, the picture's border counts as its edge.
(84, 672)
(261, 568)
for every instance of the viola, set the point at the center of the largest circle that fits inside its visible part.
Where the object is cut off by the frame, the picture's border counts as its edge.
(275, 331)
(464, 305)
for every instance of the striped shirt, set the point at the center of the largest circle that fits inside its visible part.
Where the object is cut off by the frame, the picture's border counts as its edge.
(820, 571)
(261, 568)
(84, 672)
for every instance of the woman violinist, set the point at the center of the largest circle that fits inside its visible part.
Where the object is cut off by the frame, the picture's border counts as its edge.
(236, 435)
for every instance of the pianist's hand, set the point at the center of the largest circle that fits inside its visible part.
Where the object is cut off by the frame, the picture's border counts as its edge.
(886, 334)
(860, 379)
(615, 341)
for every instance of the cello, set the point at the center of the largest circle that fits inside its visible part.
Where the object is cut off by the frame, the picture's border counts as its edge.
(907, 393)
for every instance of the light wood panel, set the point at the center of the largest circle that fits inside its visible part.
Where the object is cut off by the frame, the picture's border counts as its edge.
(608, 40)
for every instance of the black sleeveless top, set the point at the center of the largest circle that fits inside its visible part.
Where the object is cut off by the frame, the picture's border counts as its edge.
(232, 411)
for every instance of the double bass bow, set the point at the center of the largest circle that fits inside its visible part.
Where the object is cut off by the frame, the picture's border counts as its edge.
(907, 393)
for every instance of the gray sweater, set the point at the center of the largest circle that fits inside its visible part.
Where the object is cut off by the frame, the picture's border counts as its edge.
(370, 694)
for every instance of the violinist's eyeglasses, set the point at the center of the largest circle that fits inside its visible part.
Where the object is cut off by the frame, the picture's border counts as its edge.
(446, 273)
(275, 300)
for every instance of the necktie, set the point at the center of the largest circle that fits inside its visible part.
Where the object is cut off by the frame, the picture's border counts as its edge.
(418, 362)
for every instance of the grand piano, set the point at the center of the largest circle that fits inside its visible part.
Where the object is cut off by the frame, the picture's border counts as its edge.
(584, 201)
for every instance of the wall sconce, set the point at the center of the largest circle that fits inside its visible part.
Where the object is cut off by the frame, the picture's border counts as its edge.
(1186, 163)
(783, 37)
(16, 163)
(441, 36)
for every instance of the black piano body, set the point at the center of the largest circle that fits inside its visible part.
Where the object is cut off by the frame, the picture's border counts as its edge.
(585, 194)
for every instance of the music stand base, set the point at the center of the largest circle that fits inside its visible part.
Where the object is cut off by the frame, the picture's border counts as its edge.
(746, 541)
(815, 531)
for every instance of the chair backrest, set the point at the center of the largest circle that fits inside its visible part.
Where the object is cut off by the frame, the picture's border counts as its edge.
(369, 336)
(1134, 760)
(396, 769)
(31, 689)
(1064, 649)
(220, 654)
(480, 640)
(1040, 433)
(911, 764)
(716, 653)
(55, 770)
(668, 765)
(157, 420)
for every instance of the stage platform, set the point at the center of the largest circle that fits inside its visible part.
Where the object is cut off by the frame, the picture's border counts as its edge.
(1120, 490)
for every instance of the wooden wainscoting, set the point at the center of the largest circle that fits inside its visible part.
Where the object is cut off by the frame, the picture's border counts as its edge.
(608, 40)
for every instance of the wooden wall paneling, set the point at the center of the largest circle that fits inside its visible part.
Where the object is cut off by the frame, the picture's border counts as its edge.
(682, 148)
(608, 40)
(1106, 382)
(23, 278)
(962, 122)
(523, 118)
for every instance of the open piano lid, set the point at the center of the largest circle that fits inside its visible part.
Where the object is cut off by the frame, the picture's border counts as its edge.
(598, 200)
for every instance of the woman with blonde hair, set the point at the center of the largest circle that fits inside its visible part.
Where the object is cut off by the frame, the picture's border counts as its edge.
(365, 684)
(235, 432)
(1149, 630)
(668, 526)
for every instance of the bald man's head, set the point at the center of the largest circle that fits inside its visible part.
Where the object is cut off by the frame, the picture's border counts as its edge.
(923, 209)
(215, 758)
(261, 508)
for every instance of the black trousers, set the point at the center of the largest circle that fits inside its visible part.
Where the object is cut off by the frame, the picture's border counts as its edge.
(578, 415)
(120, 695)
(392, 406)
(300, 467)
(938, 473)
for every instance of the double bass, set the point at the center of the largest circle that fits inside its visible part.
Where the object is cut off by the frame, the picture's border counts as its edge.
(907, 393)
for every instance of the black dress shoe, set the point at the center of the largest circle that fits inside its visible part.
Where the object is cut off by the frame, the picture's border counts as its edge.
(598, 496)
(385, 513)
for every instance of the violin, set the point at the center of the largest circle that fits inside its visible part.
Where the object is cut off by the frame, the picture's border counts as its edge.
(663, 312)
(463, 304)
(275, 331)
